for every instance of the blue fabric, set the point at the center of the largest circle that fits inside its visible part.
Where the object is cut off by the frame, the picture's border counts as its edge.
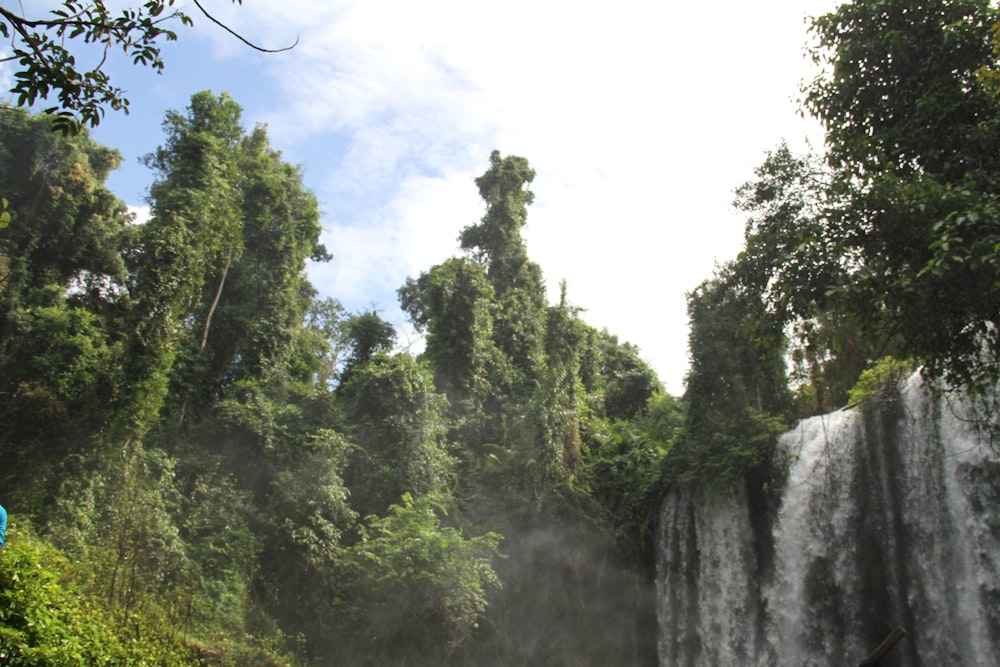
(3, 524)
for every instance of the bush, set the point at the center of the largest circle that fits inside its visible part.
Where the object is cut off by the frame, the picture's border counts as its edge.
(46, 619)
(886, 374)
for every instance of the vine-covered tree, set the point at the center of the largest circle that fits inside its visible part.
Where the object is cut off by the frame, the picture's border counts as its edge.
(396, 422)
(65, 225)
(517, 282)
(736, 391)
(63, 289)
(454, 303)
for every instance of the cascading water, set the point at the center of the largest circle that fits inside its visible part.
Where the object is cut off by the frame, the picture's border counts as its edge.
(888, 516)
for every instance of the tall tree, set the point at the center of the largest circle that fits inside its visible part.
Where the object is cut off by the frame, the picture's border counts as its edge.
(64, 223)
(517, 282)
(194, 233)
(454, 303)
(736, 392)
(915, 136)
(798, 255)
(221, 280)
(63, 282)
(395, 419)
(256, 294)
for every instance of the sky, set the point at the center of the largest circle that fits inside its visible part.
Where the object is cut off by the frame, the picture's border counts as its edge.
(639, 117)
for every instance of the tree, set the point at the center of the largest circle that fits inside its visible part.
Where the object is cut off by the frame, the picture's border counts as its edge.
(64, 223)
(395, 419)
(323, 342)
(265, 505)
(366, 334)
(58, 374)
(517, 282)
(219, 285)
(736, 392)
(891, 246)
(418, 588)
(63, 291)
(628, 382)
(913, 135)
(41, 46)
(798, 255)
(193, 235)
(454, 303)
(255, 293)
(899, 92)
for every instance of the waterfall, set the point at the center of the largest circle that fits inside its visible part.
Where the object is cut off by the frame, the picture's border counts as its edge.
(887, 516)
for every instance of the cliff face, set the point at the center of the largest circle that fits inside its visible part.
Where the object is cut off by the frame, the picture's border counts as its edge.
(887, 516)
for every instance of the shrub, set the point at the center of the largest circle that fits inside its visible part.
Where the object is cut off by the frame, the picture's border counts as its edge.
(886, 374)
(47, 619)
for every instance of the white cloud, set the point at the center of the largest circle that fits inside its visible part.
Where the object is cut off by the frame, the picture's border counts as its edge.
(141, 213)
(640, 118)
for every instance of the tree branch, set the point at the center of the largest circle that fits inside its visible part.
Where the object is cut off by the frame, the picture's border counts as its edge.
(241, 37)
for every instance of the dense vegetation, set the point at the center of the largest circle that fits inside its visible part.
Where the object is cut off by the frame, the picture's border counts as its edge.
(204, 461)
(886, 246)
(237, 468)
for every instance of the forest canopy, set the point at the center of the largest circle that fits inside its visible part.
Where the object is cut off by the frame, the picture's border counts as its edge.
(221, 451)
(202, 451)
(884, 245)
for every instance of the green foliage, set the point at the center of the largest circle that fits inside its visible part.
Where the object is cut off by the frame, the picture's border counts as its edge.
(989, 75)
(175, 539)
(454, 303)
(913, 137)
(46, 618)
(419, 587)
(737, 395)
(496, 240)
(228, 216)
(64, 224)
(366, 334)
(885, 375)
(624, 468)
(321, 346)
(42, 46)
(530, 386)
(900, 92)
(628, 382)
(58, 375)
(740, 446)
(396, 419)
(199, 434)
(517, 282)
(791, 256)
(887, 245)
(891, 246)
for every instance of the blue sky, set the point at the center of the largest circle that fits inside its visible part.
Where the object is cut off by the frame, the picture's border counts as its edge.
(641, 118)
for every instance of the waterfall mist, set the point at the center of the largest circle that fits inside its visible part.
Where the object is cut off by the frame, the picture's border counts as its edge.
(887, 516)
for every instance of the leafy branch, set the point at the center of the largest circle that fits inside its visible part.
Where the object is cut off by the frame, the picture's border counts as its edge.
(47, 66)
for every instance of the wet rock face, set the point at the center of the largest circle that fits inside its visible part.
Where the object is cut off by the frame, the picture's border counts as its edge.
(888, 517)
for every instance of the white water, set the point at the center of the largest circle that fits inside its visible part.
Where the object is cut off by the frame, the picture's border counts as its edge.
(890, 519)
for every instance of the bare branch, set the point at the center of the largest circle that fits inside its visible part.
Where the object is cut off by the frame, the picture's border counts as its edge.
(240, 37)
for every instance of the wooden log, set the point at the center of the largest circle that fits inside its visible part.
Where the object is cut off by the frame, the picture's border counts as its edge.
(884, 647)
